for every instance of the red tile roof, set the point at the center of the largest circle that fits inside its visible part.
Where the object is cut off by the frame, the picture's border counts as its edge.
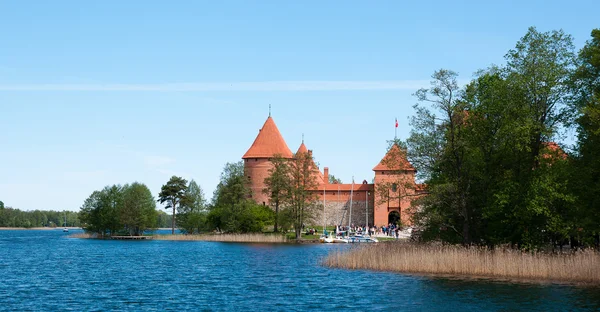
(302, 149)
(268, 143)
(346, 187)
(319, 178)
(552, 149)
(395, 159)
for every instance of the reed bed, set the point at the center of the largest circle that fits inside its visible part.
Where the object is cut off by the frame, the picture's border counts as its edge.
(237, 238)
(82, 235)
(575, 267)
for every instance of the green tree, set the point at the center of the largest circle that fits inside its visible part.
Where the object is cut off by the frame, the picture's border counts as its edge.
(173, 193)
(192, 211)
(491, 172)
(446, 164)
(100, 211)
(302, 197)
(334, 180)
(586, 171)
(111, 201)
(232, 209)
(278, 185)
(1, 204)
(138, 212)
(90, 213)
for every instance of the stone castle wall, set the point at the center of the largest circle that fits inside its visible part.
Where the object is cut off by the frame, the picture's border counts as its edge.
(337, 213)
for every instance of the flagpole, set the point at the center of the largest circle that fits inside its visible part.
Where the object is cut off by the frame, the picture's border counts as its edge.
(324, 220)
(396, 130)
(350, 215)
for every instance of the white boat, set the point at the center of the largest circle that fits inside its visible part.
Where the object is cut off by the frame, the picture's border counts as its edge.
(65, 228)
(326, 239)
(362, 239)
(340, 240)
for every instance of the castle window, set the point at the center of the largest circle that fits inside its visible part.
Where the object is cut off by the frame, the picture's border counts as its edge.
(249, 178)
(394, 187)
(255, 159)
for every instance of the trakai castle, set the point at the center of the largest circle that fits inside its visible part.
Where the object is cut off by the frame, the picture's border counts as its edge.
(385, 201)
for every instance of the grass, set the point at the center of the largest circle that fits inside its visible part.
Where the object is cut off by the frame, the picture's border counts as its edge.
(578, 267)
(239, 238)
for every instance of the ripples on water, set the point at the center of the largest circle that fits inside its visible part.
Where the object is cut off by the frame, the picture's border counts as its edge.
(46, 270)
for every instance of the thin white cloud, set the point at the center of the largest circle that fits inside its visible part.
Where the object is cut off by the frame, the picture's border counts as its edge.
(233, 86)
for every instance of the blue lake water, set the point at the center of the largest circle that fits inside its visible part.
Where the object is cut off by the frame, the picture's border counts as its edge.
(46, 270)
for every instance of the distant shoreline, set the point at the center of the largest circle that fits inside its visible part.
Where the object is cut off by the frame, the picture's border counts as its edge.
(38, 228)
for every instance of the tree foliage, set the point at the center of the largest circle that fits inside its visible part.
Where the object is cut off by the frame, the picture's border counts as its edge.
(334, 180)
(485, 151)
(191, 213)
(585, 179)
(302, 198)
(128, 209)
(138, 212)
(278, 185)
(11, 217)
(232, 209)
(173, 193)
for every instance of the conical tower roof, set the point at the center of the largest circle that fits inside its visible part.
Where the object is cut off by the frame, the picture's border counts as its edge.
(319, 178)
(302, 149)
(395, 159)
(269, 142)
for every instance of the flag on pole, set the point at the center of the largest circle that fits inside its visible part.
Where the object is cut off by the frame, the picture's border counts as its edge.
(396, 122)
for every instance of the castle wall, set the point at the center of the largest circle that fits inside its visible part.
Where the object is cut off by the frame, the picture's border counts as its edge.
(256, 170)
(397, 201)
(338, 213)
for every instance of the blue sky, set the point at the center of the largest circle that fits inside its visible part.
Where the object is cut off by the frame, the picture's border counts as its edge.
(95, 93)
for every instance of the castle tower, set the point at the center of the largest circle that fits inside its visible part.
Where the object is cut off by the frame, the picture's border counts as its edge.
(395, 188)
(318, 175)
(257, 160)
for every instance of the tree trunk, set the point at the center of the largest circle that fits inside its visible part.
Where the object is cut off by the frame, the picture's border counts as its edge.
(466, 225)
(173, 222)
(276, 215)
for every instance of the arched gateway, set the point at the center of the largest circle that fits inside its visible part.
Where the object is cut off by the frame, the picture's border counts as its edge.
(394, 217)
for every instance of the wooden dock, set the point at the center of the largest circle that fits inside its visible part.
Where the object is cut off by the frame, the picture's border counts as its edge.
(131, 237)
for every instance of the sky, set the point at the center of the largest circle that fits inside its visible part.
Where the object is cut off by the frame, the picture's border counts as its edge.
(95, 93)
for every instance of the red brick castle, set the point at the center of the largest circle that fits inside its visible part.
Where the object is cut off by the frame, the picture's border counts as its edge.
(385, 201)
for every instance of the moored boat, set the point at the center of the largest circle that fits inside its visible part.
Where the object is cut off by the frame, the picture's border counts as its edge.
(326, 239)
(362, 239)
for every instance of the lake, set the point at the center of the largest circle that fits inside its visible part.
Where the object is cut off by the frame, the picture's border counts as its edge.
(46, 270)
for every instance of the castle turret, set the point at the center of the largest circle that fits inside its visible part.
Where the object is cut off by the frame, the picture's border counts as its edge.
(257, 163)
(318, 175)
(394, 187)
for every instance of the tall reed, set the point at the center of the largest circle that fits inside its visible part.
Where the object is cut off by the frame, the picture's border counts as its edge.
(82, 235)
(578, 267)
(239, 238)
